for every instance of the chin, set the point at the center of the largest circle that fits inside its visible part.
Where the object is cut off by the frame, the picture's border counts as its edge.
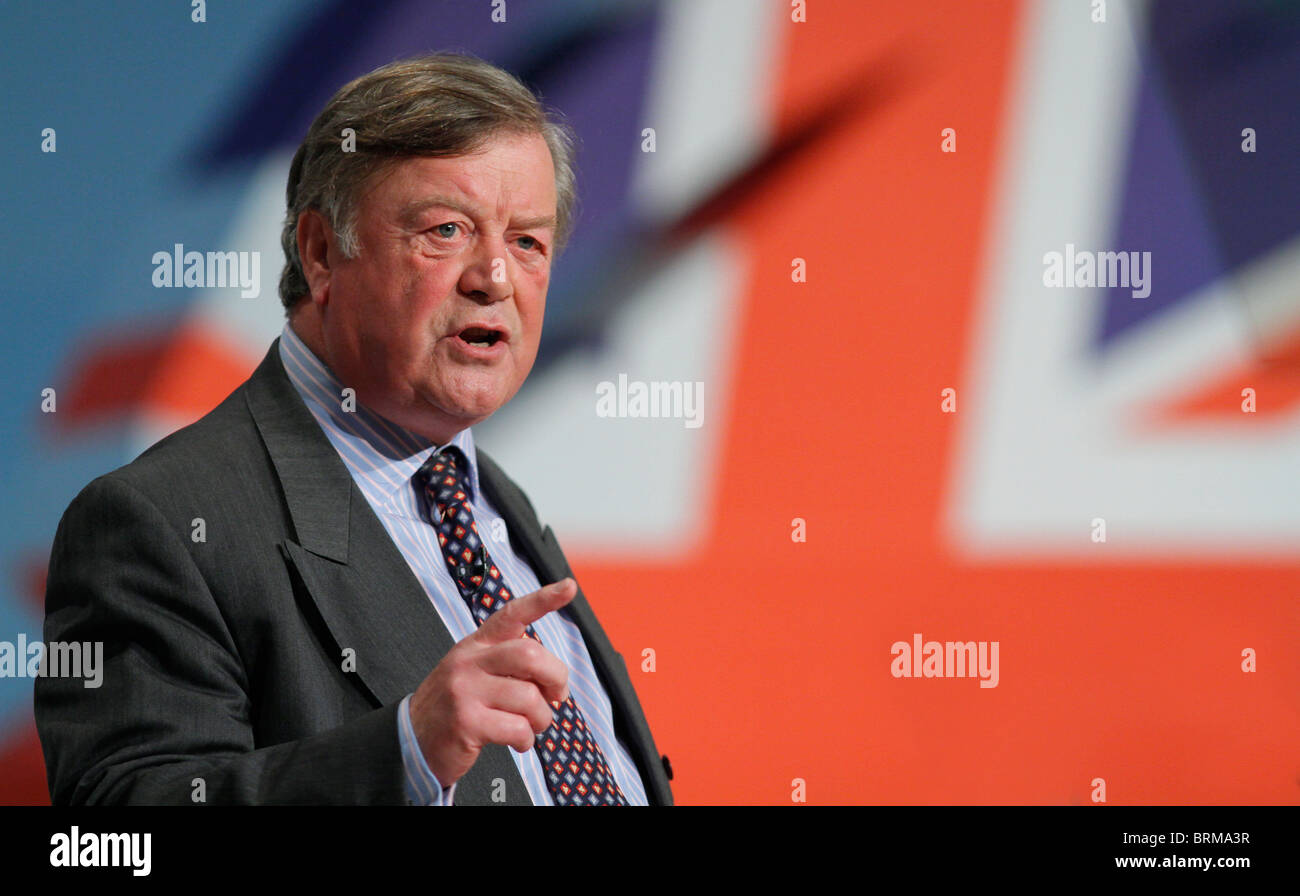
(470, 411)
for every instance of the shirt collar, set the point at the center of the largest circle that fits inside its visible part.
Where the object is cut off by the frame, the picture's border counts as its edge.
(376, 447)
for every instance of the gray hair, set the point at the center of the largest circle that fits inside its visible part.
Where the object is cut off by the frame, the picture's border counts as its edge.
(442, 104)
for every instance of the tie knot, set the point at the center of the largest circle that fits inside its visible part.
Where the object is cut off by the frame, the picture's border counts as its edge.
(442, 478)
(452, 456)
(450, 461)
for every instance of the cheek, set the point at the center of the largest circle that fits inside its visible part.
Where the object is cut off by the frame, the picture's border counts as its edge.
(411, 311)
(535, 308)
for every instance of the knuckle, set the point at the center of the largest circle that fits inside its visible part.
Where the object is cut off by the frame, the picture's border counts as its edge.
(455, 664)
(463, 716)
(524, 733)
(457, 681)
(534, 654)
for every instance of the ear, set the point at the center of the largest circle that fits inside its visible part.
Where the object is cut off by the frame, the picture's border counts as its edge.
(314, 239)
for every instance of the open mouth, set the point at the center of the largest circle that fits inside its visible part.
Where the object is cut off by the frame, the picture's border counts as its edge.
(481, 337)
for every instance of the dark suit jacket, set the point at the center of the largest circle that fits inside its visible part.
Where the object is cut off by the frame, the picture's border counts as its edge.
(225, 639)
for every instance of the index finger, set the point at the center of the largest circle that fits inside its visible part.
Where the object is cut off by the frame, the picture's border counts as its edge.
(511, 620)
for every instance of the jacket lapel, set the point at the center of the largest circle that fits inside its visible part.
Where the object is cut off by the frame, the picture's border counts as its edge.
(357, 579)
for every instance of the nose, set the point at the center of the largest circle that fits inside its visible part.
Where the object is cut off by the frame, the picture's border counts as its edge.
(486, 276)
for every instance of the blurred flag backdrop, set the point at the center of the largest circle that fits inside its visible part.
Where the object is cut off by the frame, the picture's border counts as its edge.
(773, 207)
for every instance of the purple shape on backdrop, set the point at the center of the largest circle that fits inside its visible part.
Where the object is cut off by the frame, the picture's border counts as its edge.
(1232, 64)
(341, 41)
(1159, 212)
(1201, 204)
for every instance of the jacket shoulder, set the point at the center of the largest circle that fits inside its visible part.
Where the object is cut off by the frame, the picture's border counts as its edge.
(221, 444)
(217, 464)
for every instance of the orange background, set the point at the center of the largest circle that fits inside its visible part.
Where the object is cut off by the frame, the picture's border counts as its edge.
(773, 657)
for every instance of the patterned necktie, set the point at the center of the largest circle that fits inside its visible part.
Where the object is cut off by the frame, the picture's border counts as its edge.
(576, 772)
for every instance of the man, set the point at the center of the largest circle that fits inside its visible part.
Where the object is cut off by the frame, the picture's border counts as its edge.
(322, 592)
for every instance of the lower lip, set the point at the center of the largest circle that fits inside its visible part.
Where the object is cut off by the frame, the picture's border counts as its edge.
(481, 352)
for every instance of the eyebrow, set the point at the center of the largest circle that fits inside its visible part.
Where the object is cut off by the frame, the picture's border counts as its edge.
(415, 207)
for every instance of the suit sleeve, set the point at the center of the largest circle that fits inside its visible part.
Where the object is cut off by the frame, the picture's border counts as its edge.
(170, 722)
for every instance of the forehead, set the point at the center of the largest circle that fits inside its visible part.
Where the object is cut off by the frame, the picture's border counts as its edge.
(511, 175)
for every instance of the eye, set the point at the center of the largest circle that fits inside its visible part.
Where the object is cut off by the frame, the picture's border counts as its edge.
(532, 242)
(442, 233)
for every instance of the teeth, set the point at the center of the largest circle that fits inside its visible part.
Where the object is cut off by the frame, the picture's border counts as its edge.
(483, 344)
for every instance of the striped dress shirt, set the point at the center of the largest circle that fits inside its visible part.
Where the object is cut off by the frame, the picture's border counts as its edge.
(383, 459)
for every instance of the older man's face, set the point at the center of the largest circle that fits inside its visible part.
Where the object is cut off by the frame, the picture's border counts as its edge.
(436, 322)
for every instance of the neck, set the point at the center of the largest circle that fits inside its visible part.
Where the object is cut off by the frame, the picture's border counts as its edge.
(306, 324)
